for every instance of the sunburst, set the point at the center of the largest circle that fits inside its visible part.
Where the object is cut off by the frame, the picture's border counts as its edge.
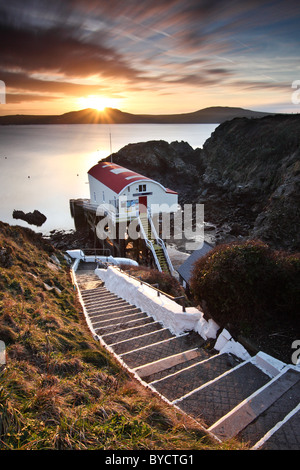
(97, 102)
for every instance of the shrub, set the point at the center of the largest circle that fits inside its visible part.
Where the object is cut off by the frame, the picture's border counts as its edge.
(166, 282)
(242, 282)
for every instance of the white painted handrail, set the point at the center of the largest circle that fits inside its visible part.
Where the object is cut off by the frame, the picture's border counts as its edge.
(149, 244)
(160, 242)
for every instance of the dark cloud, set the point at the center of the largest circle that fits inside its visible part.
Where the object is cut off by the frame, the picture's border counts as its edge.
(18, 98)
(140, 45)
(22, 81)
(59, 50)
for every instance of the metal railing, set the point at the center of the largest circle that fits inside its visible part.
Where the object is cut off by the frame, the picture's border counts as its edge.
(149, 244)
(155, 287)
(160, 242)
(95, 252)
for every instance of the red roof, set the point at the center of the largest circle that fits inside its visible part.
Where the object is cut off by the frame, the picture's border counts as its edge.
(117, 177)
(170, 191)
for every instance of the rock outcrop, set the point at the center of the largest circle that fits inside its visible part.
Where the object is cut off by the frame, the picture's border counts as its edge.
(247, 176)
(32, 218)
(255, 163)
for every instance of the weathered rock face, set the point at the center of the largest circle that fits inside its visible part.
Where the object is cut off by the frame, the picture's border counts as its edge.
(247, 176)
(6, 260)
(174, 165)
(256, 163)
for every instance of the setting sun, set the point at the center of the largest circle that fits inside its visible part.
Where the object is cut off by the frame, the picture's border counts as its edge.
(97, 102)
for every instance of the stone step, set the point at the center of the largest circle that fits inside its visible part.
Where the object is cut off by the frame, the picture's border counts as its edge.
(248, 410)
(101, 298)
(99, 295)
(215, 399)
(88, 282)
(141, 341)
(284, 436)
(118, 307)
(148, 354)
(88, 276)
(122, 313)
(124, 325)
(94, 290)
(86, 266)
(96, 312)
(131, 332)
(164, 365)
(86, 273)
(186, 380)
(100, 289)
(101, 304)
(186, 360)
(103, 301)
(117, 317)
(261, 413)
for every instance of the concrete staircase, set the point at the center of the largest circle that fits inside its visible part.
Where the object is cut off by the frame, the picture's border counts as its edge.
(230, 397)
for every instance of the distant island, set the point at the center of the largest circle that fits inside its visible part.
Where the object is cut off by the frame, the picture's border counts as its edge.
(211, 115)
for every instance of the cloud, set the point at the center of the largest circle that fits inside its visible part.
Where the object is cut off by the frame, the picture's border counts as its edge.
(18, 98)
(144, 45)
(59, 50)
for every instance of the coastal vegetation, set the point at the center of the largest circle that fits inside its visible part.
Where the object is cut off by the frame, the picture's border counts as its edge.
(61, 389)
(253, 289)
(163, 281)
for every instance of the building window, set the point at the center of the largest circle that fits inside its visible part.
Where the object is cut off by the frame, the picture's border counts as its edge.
(103, 196)
(95, 198)
(142, 188)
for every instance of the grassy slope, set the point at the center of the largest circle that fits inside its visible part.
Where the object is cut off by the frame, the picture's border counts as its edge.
(61, 389)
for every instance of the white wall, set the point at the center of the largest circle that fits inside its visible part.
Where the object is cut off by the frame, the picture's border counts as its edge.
(96, 192)
(158, 196)
(156, 199)
(162, 309)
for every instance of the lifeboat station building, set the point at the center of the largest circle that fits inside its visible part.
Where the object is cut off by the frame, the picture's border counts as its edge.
(126, 196)
(128, 192)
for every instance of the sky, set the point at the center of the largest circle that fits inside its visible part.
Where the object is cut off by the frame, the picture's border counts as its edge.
(149, 56)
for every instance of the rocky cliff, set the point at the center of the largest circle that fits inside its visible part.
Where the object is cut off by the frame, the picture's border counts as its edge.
(247, 175)
(255, 163)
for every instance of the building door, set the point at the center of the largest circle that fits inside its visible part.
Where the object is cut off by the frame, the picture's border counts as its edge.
(143, 204)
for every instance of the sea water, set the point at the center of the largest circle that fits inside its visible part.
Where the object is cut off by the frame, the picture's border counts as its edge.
(42, 167)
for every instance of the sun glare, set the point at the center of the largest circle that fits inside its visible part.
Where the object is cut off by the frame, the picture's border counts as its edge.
(97, 102)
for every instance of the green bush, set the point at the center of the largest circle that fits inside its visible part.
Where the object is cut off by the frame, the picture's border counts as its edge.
(242, 282)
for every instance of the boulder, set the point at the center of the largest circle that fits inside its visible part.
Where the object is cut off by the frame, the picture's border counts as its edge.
(32, 218)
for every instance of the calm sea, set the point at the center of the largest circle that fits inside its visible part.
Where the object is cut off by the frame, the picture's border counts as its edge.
(43, 167)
